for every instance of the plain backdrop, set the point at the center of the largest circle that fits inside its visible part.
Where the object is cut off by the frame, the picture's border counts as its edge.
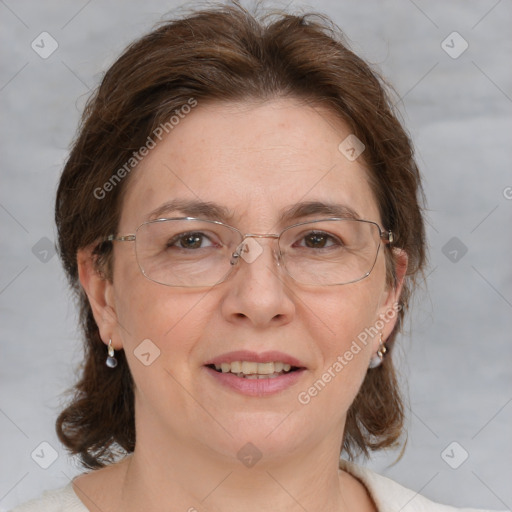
(450, 62)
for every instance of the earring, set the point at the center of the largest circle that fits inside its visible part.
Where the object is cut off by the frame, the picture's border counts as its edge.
(376, 360)
(111, 360)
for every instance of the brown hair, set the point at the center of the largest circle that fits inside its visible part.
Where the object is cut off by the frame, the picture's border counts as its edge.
(224, 53)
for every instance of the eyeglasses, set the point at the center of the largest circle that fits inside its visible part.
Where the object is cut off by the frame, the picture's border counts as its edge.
(191, 252)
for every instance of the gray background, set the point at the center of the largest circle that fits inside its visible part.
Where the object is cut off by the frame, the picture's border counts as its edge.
(455, 359)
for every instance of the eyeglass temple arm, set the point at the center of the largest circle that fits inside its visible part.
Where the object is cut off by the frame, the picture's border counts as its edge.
(387, 236)
(125, 238)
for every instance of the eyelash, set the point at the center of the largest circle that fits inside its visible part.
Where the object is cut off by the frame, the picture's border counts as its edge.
(181, 236)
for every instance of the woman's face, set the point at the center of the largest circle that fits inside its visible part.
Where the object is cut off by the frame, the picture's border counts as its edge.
(255, 161)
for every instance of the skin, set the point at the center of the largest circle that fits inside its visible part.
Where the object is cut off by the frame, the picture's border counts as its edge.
(255, 159)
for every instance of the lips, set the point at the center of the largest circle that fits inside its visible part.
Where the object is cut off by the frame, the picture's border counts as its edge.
(255, 374)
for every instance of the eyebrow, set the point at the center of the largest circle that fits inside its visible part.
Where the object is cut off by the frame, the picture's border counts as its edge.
(213, 211)
(192, 208)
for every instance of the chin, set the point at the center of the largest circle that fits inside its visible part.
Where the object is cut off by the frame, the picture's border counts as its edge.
(264, 435)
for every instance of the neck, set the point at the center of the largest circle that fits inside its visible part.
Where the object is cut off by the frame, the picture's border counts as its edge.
(167, 472)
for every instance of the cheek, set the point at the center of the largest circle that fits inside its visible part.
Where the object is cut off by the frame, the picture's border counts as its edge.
(351, 309)
(349, 315)
(161, 328)
(171, 318)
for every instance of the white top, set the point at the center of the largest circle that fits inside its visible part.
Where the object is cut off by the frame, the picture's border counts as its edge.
(387, 495)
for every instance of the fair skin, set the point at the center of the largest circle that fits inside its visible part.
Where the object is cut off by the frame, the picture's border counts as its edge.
(256, 159)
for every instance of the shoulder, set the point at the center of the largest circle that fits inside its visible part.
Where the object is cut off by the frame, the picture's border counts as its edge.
(389, 496)
(59, 500)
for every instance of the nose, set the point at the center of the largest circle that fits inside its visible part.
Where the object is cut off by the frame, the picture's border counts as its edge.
(257, 293)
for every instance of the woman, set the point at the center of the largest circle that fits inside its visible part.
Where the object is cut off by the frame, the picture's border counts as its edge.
(240, 217)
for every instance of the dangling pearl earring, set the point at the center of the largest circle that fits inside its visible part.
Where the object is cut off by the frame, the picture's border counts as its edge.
(111, 360)
(376, 360)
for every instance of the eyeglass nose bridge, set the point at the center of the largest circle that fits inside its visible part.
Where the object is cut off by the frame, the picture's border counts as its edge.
(235, 257)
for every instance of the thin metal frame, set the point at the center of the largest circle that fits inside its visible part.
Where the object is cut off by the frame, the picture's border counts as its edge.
(385, 236)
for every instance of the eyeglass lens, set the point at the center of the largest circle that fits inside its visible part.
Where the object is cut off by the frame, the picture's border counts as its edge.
(200, 253)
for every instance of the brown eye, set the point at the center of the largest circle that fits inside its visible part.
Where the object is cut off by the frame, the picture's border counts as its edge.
(316, 240)
(319, 240)
(190, 241)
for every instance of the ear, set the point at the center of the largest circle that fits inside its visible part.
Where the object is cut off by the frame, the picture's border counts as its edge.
(100, 292)
(388, 309)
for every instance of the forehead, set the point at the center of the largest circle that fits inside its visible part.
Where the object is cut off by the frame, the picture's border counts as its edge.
(255, 160)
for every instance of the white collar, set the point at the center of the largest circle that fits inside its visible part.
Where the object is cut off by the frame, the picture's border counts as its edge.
(389, 496)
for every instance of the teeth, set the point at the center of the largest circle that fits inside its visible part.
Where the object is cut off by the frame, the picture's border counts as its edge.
(253, 370)
(249, 368)
(235, 367)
